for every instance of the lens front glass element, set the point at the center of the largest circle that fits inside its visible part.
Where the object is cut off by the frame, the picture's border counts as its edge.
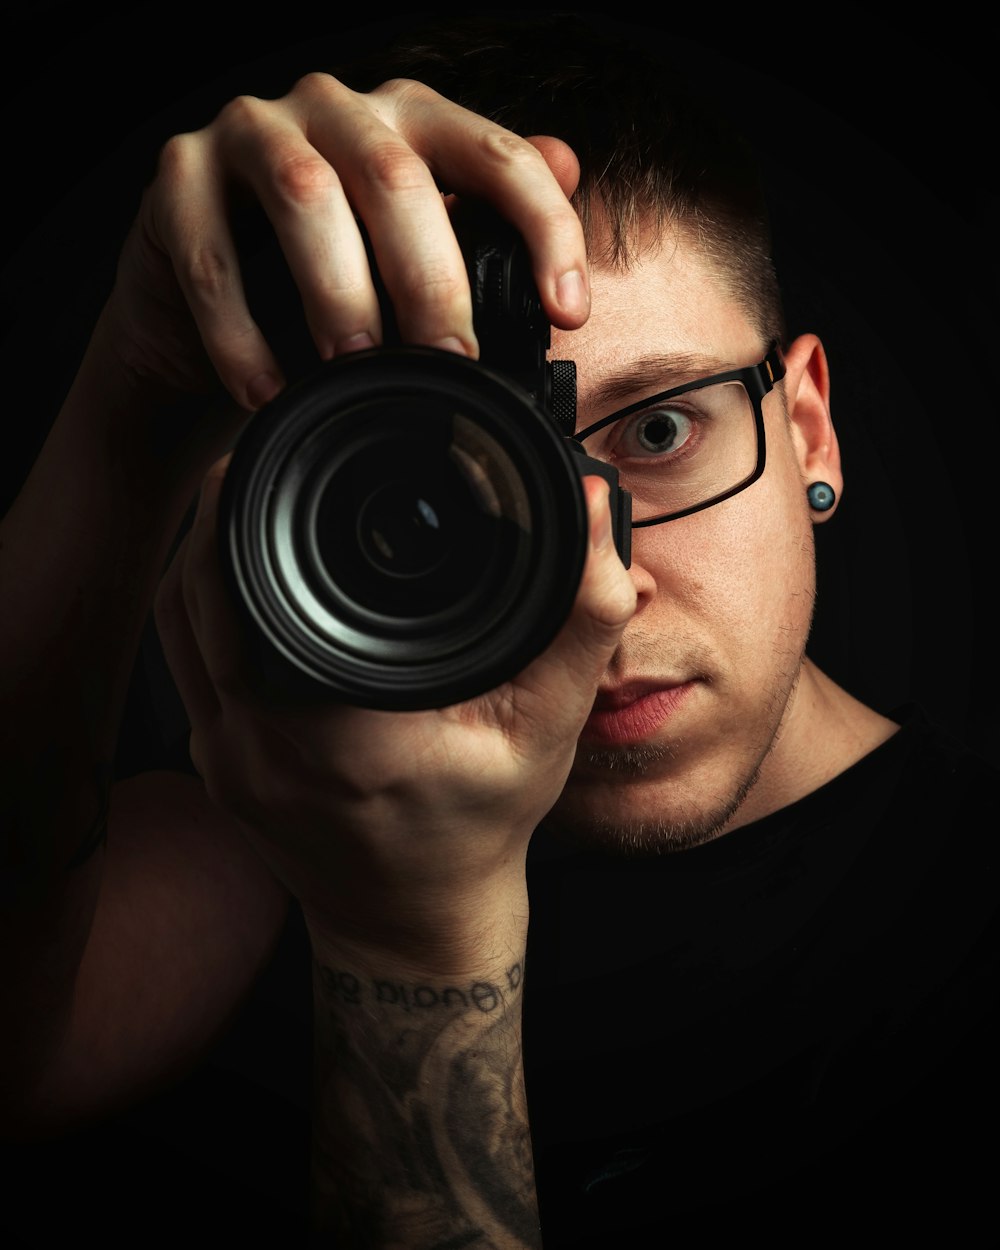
(420, 517)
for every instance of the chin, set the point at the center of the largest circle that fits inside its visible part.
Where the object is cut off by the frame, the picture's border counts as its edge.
(676, 790)
(623, 805)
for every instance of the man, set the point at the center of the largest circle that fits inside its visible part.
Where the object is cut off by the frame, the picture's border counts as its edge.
(725, 979)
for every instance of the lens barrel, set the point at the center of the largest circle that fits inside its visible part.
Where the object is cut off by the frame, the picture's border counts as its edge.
(403, 529)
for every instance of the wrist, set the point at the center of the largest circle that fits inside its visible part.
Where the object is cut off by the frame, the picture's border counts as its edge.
(382, 993)
(482, 941)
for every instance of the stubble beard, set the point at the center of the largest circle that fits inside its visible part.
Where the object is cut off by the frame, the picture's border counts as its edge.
(711, 816)
(654, 836)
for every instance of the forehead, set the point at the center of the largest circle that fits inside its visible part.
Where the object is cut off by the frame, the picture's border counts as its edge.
(666, 320)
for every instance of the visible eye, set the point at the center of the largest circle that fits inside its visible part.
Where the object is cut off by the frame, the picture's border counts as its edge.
(658, 432)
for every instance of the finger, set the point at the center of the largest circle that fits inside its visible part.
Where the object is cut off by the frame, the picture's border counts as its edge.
(264, 145)
(569, 671)
(395, 148)
(214, 623)
(393, 191)
(186, 219)
(474, 156)
(561, 159)
(180, 648)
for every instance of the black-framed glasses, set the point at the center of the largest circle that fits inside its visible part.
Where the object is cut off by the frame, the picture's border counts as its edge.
(691, 447)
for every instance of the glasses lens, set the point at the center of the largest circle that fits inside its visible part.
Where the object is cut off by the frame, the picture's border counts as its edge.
(682, 452)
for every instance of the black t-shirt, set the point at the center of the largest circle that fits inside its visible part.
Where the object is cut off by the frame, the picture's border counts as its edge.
(789, 1032)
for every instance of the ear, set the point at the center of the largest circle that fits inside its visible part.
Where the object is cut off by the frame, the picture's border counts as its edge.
(807, 394)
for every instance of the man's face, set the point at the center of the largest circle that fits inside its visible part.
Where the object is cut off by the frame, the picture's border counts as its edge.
(688, 715)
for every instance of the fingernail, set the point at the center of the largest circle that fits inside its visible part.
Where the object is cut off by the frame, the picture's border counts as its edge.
(572, 292)
(354, 343)
(600, 526)
(262, 389)
(453, 344)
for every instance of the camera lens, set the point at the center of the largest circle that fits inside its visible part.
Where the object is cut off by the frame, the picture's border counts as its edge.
(400, 532)
(410, 513)
(404, 529)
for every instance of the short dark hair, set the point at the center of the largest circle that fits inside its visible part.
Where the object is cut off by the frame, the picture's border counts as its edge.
(651, 149)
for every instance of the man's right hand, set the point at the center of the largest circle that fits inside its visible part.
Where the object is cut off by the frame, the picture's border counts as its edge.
(322, 162)
(406, 832)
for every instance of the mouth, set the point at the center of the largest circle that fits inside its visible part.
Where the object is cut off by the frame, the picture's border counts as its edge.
(634, 711)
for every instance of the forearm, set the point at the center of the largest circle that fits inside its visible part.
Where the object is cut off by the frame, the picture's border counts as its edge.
(81, 551)
(421, 1134)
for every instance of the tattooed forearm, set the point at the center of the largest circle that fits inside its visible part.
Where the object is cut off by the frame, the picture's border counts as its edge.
(421, 1137)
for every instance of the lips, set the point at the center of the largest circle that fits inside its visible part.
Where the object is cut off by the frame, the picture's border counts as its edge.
(634, 711)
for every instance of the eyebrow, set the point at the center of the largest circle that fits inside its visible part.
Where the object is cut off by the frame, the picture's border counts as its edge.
(658, 371)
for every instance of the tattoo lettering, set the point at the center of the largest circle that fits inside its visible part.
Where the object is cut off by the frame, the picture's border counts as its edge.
(346, 988)
(341, 985)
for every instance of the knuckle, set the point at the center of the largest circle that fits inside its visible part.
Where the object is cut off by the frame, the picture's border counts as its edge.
(504, 149)
(350, 288)
(437, 292)
(403, 91)
(317, 87)
(393, 167)
(177, 157)
(244, 112)
(558, 220)
(304, 179)
(208, 273)
(439, 285)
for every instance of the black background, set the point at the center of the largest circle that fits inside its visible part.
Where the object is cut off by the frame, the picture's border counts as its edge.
(880, 144)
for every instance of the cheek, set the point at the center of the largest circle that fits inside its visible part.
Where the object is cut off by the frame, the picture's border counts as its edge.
(743, 573)
(775, 563)
(787, 586)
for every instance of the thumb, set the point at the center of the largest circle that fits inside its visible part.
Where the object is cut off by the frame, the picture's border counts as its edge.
(606, 600)
(605, 603)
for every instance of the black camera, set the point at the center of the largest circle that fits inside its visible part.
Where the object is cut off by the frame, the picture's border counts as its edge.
(405, 528)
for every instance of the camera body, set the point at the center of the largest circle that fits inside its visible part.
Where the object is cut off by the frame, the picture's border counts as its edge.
(405, 528)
